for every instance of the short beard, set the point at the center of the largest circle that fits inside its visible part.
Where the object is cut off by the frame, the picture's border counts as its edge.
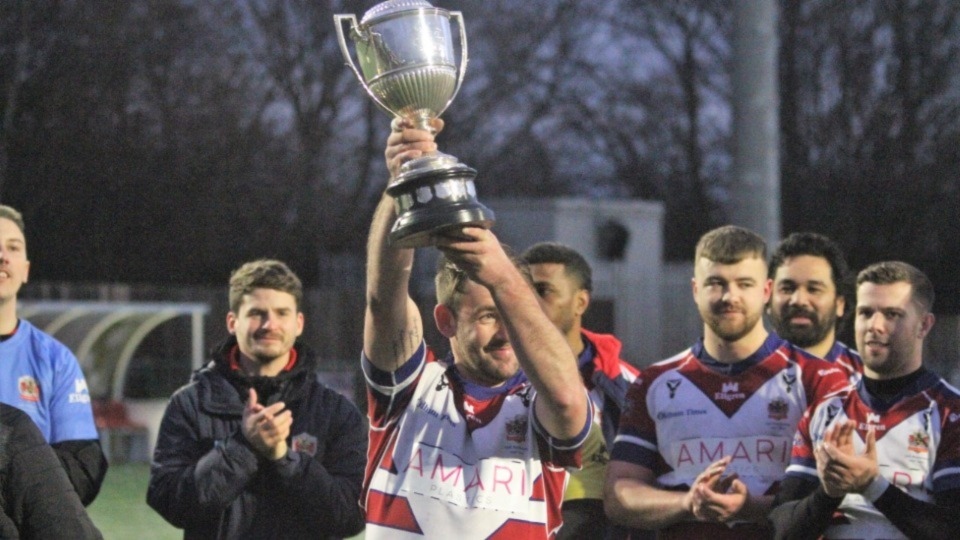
(805, 336)
(728, 333)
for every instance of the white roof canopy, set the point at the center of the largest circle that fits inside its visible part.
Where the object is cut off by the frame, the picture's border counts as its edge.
(105, 335)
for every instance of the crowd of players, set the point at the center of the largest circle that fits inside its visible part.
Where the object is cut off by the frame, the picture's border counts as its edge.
(532, 426)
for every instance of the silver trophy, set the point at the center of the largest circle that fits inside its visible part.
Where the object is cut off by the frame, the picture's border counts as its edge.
(405, 51)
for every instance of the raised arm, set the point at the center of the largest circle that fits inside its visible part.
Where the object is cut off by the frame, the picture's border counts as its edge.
(543, 353)
(392, 326)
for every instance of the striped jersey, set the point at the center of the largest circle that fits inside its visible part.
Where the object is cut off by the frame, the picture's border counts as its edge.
(847, 358)
(688, 411)
(918, 447)
(452, 459)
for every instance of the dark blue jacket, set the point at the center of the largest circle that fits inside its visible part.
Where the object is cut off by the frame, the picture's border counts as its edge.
(209, 481)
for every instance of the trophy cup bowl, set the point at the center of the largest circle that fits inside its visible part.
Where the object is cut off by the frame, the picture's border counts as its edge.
(407, 66)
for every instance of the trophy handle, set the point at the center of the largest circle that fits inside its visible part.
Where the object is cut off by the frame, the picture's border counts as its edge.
(464, 57)
(352, 19)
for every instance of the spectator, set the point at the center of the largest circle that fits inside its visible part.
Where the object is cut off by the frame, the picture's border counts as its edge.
(256, 446)
(41, 376)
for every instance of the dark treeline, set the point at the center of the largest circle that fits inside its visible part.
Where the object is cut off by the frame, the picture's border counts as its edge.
(167, 140)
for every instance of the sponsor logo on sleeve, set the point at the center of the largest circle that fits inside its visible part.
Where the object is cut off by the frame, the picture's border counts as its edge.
(80, 392)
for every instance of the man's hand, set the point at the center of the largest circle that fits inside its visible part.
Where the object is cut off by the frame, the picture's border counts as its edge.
(841, 469)
(266, 428)
(406, 143)
(714, 497)
(477, 252)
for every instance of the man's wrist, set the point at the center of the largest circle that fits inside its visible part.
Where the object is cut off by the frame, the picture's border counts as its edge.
(279, 451)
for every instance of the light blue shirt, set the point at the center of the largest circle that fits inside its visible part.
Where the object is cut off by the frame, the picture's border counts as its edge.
(40, 376)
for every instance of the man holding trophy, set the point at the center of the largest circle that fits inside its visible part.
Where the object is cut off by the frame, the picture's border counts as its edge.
(471, 445)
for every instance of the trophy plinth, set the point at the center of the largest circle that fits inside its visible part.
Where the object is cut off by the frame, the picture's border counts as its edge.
(405, 52)
(432, 194)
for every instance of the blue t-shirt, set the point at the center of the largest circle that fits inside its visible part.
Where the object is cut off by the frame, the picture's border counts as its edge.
(40, 376)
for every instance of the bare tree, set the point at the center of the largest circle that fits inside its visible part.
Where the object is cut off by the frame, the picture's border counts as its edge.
(682, 51)
(870, 115)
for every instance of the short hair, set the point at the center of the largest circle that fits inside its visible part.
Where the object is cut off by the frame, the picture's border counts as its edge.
(730, 244)
(13, 215)
(556, 253)
(451, 281)
(263, 274)
(815, 245)
(887, 272)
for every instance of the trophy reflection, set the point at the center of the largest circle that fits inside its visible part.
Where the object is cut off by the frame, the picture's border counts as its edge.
(405, 52)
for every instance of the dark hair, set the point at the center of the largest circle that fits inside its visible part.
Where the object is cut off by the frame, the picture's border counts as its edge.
(815, 245)
(554, 252)
(730, 244)
(263, 274)
(887, 272)
(13, 215)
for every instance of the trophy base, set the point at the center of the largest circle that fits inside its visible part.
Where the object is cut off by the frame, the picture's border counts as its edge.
(414, 230)
(434, 194)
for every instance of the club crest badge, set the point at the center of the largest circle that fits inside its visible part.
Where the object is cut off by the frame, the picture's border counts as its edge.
(305, 443)
(778, 409)
(517, 429)
(919, 442)
(29, 389)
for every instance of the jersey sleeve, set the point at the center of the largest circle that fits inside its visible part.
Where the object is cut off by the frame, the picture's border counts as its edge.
(71, 416)
(563, 452)
(946, 467)
(636, 440)
(803, 462)
(821, 379)
(389, 392)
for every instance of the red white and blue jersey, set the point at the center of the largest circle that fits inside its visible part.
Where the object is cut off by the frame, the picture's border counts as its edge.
(846, 358)
(918, 448)
(688, 411)
(41, 377)
(452, 459)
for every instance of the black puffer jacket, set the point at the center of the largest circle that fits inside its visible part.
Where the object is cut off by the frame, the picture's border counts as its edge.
(208, 480)
(36, 496)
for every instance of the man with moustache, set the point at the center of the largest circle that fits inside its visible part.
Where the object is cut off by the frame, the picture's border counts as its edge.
(563, 280)
(41, 376)
(256, 446)
(705, 436)
(808, 303)
(468, 446)
(880, 460)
